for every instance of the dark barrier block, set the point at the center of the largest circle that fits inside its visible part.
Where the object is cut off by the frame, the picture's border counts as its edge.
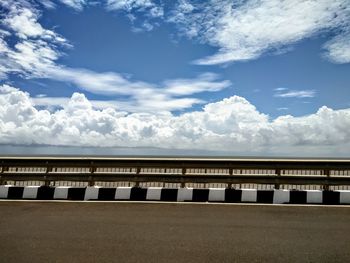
(168, 195)
(233, 196)
(297, 197)
(76, 193)
(200, 195)
(331, 198)
(138, 194)
(15, 192)
(106, 194)
(45, 193)
(264, 196)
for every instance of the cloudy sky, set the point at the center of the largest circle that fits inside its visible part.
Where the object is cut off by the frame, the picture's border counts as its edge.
(242, 77)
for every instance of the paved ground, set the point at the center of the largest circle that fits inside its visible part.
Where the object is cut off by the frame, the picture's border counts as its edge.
(124, 232)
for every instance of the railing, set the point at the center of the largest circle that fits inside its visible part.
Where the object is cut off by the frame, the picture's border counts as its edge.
(208, 172)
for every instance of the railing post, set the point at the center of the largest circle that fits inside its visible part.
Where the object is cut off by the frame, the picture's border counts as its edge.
(230, 171)
(92, 170)
(4, 169)
(48, 170)
(137, 183)
(327, 173)
(240, 172)
(278, 173)
(183, 184)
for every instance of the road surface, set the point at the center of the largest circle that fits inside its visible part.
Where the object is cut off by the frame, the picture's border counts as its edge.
(167, 232)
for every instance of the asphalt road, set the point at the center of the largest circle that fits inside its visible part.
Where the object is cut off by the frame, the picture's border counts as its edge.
(124, 232)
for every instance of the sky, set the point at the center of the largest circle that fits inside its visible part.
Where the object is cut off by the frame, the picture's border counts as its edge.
(242, 77)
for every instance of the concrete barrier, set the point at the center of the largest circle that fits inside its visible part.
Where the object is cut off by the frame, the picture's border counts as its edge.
(176, 194)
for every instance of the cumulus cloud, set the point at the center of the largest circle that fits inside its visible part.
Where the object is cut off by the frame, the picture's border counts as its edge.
(157, 105)
(244, 30)
(233, 125)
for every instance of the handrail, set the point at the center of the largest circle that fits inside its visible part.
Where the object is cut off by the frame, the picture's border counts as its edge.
(176, 178)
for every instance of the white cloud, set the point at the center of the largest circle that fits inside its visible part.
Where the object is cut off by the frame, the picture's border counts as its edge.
(285, 93)
(203, 83)
(338, 49)
(41, 95)
(47, 4)
(76, 4)
(233, 125)
(247, 29)
(280, 89)
(147, 11)
(169, 96)
(23, 20)
(128, 5)
(37, 50)
(35, 61)
(152, 9)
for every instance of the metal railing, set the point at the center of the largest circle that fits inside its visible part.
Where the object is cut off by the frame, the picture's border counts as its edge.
(177, 172)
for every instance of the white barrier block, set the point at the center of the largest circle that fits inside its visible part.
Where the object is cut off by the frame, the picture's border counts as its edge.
(4, 189)
(153, 193)
(216, 194)
(314, 197)
(122, 193)
(61, 192)
(281, 196)
(30, 192)
(91, 193)
(184, 194)
(249, 195)
(344, 196)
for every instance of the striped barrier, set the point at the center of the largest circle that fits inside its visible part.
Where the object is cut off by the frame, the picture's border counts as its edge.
(176, 194)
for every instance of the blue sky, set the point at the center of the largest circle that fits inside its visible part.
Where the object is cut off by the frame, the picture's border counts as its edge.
(177, 75)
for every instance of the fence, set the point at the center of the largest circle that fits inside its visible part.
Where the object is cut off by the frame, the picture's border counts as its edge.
(311, 174)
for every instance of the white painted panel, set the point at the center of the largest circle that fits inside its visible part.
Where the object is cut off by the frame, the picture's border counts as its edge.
(91, 193)
(123, 193)
(281, 196)
(153, 193)
(4, 189)
(61, 192)
(30, 192)
(314, 196)
(344, 197)
(216, 194)
(184, 194)
(249, 195)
